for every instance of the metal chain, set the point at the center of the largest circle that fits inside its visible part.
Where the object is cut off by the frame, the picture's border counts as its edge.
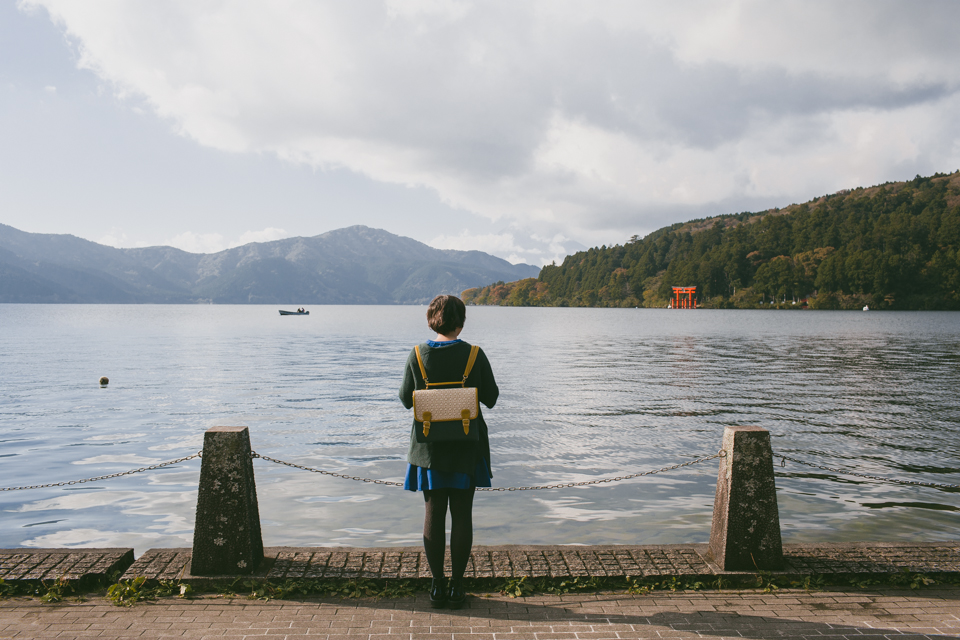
(112, 475)
(564, 485)
(720, 454)
(326, 473)
(783, 460)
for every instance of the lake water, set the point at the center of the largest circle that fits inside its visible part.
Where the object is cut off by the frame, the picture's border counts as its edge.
(585, 393)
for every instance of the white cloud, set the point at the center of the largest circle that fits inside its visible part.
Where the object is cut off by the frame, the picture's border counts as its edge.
(215, 242)
(198, 242)
(496, 243)
(117, 238)
(449, 10)
(585, 120)
(267, 235)
(514, 246)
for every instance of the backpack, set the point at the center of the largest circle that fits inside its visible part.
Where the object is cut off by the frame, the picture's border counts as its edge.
(446, 415)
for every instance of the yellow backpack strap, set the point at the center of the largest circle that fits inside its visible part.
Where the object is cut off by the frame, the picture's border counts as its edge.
(474, 350)
(423, 372)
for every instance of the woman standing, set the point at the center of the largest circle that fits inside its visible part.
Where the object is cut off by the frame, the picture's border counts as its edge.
(448, 472)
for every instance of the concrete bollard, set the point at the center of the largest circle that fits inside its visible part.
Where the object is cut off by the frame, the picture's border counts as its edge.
(745, 534)
(226, 536)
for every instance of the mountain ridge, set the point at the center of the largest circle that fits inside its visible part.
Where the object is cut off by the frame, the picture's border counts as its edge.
(352, 265)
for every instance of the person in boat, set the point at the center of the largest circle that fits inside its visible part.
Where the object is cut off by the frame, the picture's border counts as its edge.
(448, 472)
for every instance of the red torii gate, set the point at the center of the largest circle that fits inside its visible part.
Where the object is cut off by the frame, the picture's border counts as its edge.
(683, 298)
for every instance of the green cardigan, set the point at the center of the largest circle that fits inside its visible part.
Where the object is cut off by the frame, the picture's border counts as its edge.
(447, 364)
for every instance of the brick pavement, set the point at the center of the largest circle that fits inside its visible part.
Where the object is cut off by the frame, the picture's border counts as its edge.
(511, 561)
(648, 561)
(72, 564)
(834, 615)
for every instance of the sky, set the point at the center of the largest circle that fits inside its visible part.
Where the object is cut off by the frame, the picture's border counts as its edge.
(525, 129)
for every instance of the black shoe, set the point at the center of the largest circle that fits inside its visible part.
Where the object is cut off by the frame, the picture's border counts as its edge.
(457, 595)
(438, 593)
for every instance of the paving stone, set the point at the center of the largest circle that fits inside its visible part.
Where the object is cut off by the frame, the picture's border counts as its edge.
(652, 561)
(71, 564)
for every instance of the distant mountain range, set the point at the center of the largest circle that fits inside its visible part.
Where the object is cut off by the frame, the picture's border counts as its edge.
(355, 265)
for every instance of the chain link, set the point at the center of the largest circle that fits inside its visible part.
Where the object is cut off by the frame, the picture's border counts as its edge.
(326, 473)
(720, 454)
(564, 485)
(783, 462)
(112, 475)
(254, 454)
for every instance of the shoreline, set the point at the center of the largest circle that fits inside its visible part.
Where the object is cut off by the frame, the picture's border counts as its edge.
(864, 560)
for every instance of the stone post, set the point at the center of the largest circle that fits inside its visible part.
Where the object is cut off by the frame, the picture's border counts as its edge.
(745, 535)
(226, 536)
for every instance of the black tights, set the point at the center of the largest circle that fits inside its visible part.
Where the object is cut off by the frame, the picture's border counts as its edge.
(461, 529)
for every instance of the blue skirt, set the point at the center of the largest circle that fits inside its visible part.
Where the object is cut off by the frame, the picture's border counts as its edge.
(419, 478)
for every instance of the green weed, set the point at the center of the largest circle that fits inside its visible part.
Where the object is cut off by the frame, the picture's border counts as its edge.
(813, 582)
(130, 592)
(862, 583)
(559, 586)
(919, 580)
(639, 587)
(913, 580)
(57, 590)
(672, 584)
(359, 588)
(398, 589)
(765, 582)
(127, 593)
(517, 587)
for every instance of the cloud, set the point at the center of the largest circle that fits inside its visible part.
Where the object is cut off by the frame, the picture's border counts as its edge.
(117, 238)
(198, 242)
(582, 121)
(514, 246)
(267, 235)
(214, 242)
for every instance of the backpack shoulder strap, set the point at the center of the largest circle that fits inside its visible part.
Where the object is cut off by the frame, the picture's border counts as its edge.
(423, 372)
(474, 350)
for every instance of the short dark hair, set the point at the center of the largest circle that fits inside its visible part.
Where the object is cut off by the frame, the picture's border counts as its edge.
(446, 313)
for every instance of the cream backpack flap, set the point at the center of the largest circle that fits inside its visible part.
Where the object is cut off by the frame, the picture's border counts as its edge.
(445, 415)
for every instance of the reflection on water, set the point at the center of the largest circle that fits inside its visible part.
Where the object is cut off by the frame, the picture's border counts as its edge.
(586, 393)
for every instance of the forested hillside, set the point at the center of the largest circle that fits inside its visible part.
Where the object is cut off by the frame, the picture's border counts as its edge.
(893, 246)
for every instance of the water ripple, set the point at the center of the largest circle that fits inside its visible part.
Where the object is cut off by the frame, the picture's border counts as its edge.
(585, 393)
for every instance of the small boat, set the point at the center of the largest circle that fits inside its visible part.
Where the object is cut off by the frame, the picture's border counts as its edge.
(294, 313)
(866, 307)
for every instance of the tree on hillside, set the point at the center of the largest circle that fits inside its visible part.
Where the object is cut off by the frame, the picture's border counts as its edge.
(893, 246)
